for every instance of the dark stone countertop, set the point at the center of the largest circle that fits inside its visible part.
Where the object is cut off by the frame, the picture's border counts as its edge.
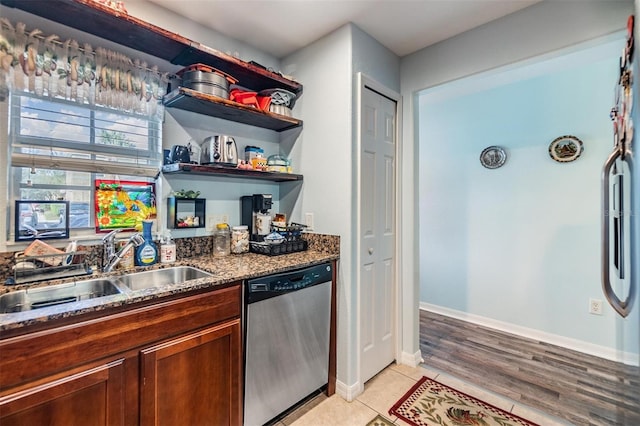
(225, 270)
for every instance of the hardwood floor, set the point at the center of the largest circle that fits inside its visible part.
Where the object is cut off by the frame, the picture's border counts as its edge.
(583, 389)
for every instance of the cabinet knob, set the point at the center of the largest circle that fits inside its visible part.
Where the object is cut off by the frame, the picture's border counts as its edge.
(370, 250)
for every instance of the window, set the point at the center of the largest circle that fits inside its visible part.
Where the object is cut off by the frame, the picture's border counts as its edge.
(59, 148)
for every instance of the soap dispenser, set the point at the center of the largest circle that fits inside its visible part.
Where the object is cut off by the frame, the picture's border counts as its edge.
(147, 252)
(167, 249)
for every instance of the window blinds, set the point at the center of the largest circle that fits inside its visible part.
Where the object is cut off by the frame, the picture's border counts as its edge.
(59, 135)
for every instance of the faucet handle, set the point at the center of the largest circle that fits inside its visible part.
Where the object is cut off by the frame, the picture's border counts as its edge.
(110, 237)
(137, 239)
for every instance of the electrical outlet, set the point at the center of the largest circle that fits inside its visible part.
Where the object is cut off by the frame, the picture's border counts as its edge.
(211, 222)
(595, 306)
(308, 220)
(214, 219)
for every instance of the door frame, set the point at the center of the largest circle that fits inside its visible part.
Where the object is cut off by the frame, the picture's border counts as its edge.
(364, 82)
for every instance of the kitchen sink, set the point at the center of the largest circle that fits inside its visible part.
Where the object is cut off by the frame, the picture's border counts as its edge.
(161, 277)
(42, 297)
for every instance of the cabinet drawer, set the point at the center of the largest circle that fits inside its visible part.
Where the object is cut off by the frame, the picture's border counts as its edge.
(28, 357)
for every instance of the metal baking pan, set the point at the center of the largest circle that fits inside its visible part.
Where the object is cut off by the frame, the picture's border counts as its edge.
(208, 88)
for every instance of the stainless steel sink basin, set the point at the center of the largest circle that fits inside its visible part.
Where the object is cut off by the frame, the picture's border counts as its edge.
(42, 297)
(161, 277)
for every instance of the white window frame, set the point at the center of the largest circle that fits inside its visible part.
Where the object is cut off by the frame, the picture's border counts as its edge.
(152, 156)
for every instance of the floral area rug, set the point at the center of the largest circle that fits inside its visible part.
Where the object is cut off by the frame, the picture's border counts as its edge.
(429, 403)
(380, 421)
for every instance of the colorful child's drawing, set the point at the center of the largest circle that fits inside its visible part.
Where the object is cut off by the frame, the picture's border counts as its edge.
(124, 204)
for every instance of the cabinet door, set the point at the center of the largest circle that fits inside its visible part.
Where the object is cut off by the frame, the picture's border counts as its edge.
(91, 397)
(194, 379)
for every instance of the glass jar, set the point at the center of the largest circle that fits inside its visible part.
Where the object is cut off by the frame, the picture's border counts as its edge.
(239, 239)
(221, 240)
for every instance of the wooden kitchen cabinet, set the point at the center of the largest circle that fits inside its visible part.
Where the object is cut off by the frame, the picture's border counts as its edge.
(179, 384)
(159, 363)
(93, 396)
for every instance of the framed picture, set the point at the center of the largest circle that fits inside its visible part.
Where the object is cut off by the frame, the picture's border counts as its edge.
(123, 204)
(565, 149)
(41, 220)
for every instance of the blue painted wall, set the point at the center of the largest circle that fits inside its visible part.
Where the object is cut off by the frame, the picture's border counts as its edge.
(520, 244)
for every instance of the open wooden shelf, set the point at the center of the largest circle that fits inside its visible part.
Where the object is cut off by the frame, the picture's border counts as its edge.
(121, 28)
(208, 170)
(110, 24)
(202, 103)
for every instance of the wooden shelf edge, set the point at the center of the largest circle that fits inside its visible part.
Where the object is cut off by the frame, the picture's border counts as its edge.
(110, 24)
(202, 103)
(237, 68)
(206, 170)
(130, 31)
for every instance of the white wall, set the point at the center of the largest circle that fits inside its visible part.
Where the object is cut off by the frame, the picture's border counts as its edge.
(374, 60)
(222, 193)
(536, 30)
(542, 28)
(325, 152)
(170, 21)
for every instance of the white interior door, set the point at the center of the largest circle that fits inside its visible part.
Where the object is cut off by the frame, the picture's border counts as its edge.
(377, 233)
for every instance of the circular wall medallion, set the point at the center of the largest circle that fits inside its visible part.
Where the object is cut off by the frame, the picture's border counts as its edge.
(565, 148)
(493, 157)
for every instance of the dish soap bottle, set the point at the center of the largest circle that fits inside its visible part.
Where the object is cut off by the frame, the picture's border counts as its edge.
(147, 252)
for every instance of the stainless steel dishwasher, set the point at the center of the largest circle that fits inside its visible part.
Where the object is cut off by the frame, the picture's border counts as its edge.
(286, 331)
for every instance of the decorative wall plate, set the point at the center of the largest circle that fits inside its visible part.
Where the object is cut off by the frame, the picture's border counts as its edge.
(493, 157)
(565, 148)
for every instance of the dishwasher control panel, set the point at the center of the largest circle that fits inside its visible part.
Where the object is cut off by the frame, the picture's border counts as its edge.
(289, 281)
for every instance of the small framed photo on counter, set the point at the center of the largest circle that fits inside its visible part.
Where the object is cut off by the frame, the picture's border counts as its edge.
(35, 219)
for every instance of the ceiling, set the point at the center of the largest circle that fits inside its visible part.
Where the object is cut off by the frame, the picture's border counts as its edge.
(280, 27)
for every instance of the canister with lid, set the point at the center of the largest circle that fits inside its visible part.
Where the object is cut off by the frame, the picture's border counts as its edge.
(221, 240)
(239, 239)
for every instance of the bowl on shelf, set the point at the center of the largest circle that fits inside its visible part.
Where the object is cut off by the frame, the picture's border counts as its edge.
(280, 109)
(274, 238)
(280, 97)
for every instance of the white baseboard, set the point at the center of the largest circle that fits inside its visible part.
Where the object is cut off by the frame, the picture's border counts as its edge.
(554, 339)
(412, 360)
(349, 393)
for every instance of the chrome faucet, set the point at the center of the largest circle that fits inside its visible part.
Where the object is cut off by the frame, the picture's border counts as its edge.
(110, 257)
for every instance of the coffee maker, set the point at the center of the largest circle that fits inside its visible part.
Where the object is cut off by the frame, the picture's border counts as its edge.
(254, 213)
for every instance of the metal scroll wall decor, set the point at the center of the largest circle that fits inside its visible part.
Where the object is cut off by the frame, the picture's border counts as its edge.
(51, 68)
(623, 102)
(617, 222)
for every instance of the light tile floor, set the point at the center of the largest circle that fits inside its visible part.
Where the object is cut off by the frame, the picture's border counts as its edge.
(382, 391)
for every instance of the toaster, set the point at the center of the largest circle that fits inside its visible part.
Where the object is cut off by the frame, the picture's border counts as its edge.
(220, 150)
